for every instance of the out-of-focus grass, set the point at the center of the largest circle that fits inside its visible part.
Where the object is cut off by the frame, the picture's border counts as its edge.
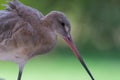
(50, 67)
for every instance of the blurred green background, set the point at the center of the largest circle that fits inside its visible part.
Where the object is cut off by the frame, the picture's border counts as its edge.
(96, 32)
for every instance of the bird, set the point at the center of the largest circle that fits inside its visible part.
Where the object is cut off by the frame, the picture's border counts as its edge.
(25, 33)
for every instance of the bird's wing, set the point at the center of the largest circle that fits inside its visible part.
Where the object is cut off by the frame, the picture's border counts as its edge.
(14, 30)
(15, 16)
(16, 22)
(8, 20)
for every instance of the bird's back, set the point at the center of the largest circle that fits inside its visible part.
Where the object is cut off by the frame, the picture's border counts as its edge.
(29, 14)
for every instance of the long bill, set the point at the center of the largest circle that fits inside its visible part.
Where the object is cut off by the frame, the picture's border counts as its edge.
(71, 44)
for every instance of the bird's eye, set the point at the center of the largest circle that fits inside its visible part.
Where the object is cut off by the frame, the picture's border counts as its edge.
(65, 27)
(63, 24)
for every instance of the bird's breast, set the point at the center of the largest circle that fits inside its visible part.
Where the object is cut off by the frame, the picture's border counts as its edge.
(45, 44)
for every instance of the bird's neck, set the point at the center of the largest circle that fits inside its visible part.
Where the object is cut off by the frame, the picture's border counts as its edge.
(46, 37)
(46, 41)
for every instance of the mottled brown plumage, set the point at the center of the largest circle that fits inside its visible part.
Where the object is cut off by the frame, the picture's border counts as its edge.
(25, 33)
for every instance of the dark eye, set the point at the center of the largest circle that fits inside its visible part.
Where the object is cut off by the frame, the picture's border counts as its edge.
(63, 24)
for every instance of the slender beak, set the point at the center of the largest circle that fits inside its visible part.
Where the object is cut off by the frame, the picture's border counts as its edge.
(71, 44)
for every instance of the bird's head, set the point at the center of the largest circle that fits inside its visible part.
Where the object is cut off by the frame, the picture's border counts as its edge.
(62, 27)
(60, 23)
